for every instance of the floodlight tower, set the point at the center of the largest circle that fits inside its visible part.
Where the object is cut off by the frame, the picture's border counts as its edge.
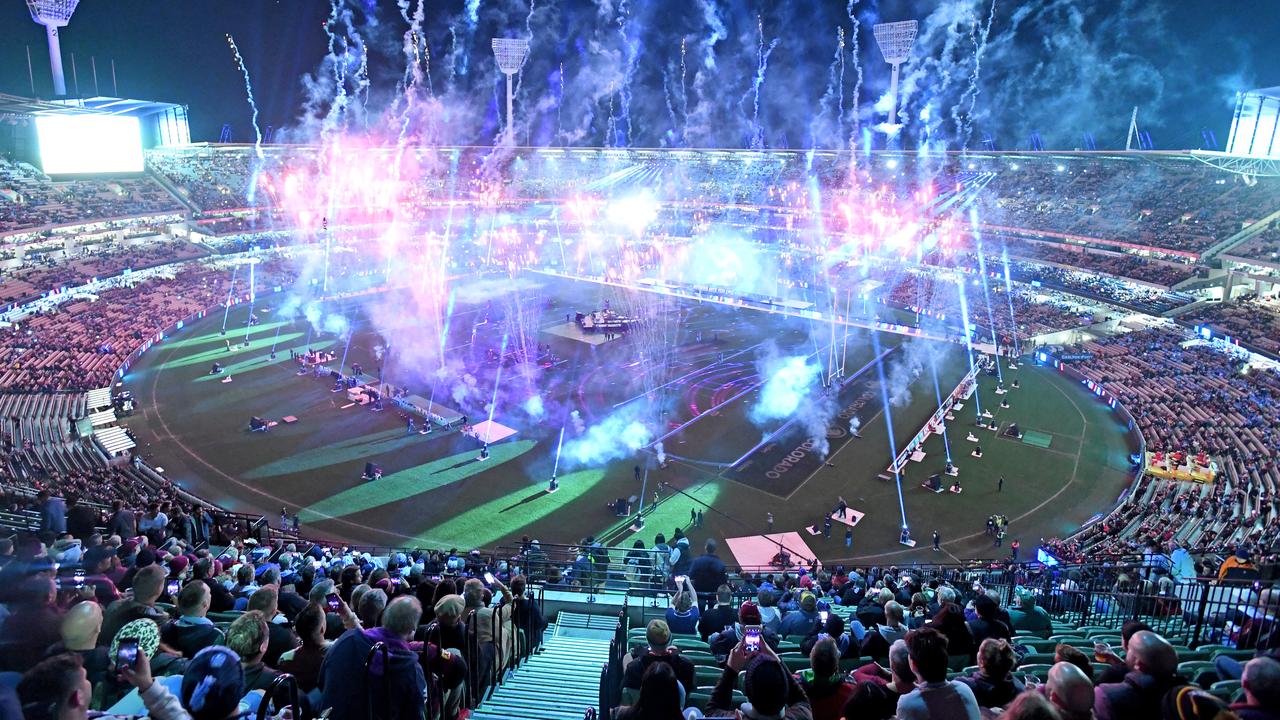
(510, 54)
(895, 40)
(53, 14)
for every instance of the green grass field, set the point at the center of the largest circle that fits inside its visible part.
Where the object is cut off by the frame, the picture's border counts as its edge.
(436, 493)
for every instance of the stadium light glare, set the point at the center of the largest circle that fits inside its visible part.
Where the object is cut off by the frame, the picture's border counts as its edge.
(510, 54)
(53, 14)
(895, 40)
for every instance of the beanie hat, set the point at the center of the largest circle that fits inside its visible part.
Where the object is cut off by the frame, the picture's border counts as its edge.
(765, 685)
(179, 564)
(808, 601)
(749, 613)
(144, 630)
(213, 684)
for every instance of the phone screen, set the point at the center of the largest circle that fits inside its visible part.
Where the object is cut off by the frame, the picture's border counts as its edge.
(681, 578)
(752, 640)
(173, 588)
(127, 653)
(333, 601)
(488, 578)
(823, 616)
(79, 579)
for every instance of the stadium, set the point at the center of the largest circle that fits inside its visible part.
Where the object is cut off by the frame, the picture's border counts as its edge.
(623, 392)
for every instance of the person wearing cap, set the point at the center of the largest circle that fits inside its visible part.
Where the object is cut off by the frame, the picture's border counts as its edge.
(1239, 561)
(772, 692)
(161, 662)
(802, 620)
(97, 562)
(1027, 618)
(659, 650)
(935, 697)
(748, 614)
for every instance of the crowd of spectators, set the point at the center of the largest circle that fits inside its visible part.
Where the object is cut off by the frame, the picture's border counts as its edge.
(1174, 204)
(1251, 319)
(1190, 397)
(30, 199)
(900, 643)
(80, 344)
(41, 273)
(230, 620)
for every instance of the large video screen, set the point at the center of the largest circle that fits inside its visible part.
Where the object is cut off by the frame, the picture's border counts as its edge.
(86, 144)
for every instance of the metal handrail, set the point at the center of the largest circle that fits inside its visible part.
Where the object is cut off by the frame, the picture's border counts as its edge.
(269, 697)
(378, 647)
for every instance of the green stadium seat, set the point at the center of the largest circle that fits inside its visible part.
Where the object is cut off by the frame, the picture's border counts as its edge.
(795, 663)
(851, 664)
(690, 644)
(1075, 640)
(788, 646)
(1225, 690)
(1091, 630)
(1115, 641)
(1036, 644)
(1218, 650)
(226, 617)
(957, 662)
(1039, 670)
(707, 675)
(1200, 672)
(1037, 659)
(699, 657)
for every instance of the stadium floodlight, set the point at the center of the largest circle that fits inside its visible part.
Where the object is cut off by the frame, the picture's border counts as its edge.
(895, 40)
(53, 14)
(510, 54)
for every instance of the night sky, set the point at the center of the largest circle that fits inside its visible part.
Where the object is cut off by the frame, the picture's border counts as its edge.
(1059, 68)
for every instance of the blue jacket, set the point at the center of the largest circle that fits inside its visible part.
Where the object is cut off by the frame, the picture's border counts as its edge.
(343, 684)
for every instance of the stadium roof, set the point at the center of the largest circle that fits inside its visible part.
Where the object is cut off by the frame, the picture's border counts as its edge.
(1269, 92)
(17, 105)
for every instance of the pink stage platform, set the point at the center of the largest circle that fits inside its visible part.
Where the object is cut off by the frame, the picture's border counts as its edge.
(756, 551)
(488, 431)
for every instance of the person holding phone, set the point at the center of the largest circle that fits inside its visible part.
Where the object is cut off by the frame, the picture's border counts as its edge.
(682, 615)
(771, 691)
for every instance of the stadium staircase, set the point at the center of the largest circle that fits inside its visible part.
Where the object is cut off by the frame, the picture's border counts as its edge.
(561, 680)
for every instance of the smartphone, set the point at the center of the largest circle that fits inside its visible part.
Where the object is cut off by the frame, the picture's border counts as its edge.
(79, 579)
(1100, 649)
(822, 615)
(173, 588)
(488, 578)
(127, 653)
(681, 578)
(333, 602)
(751, 639)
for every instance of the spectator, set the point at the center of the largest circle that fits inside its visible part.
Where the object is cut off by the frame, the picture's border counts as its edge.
(525, 613)
(369, 605)
(949, 620)
(1261, 683)
(876, 700)
(82, 520)
(57, 688)
(719, 617)
(1237, 561)
(1116, 668)
(343, 678)
(871, 608)
(53, 512)
(1152, 663)
(206, 570)
(802, 621)
(935, 698)
(771, 691)
(97, 563)
(993, 685)
(1063, 652)
(1027, 618)
(681, 556)
(767, 604)
(304, 661)
(249, 638)
(658, 696)
(827, 688)
(878, 639)
(34, 623)
(987, 623)
(148, 584)
(473, 592)
(639, 565)
(682, 615)
(122, 521)
(707, 573)
(1030, 705)
(723, 642)
(659, 650)
(81, 626)
(192, 631)
(1070, 690)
